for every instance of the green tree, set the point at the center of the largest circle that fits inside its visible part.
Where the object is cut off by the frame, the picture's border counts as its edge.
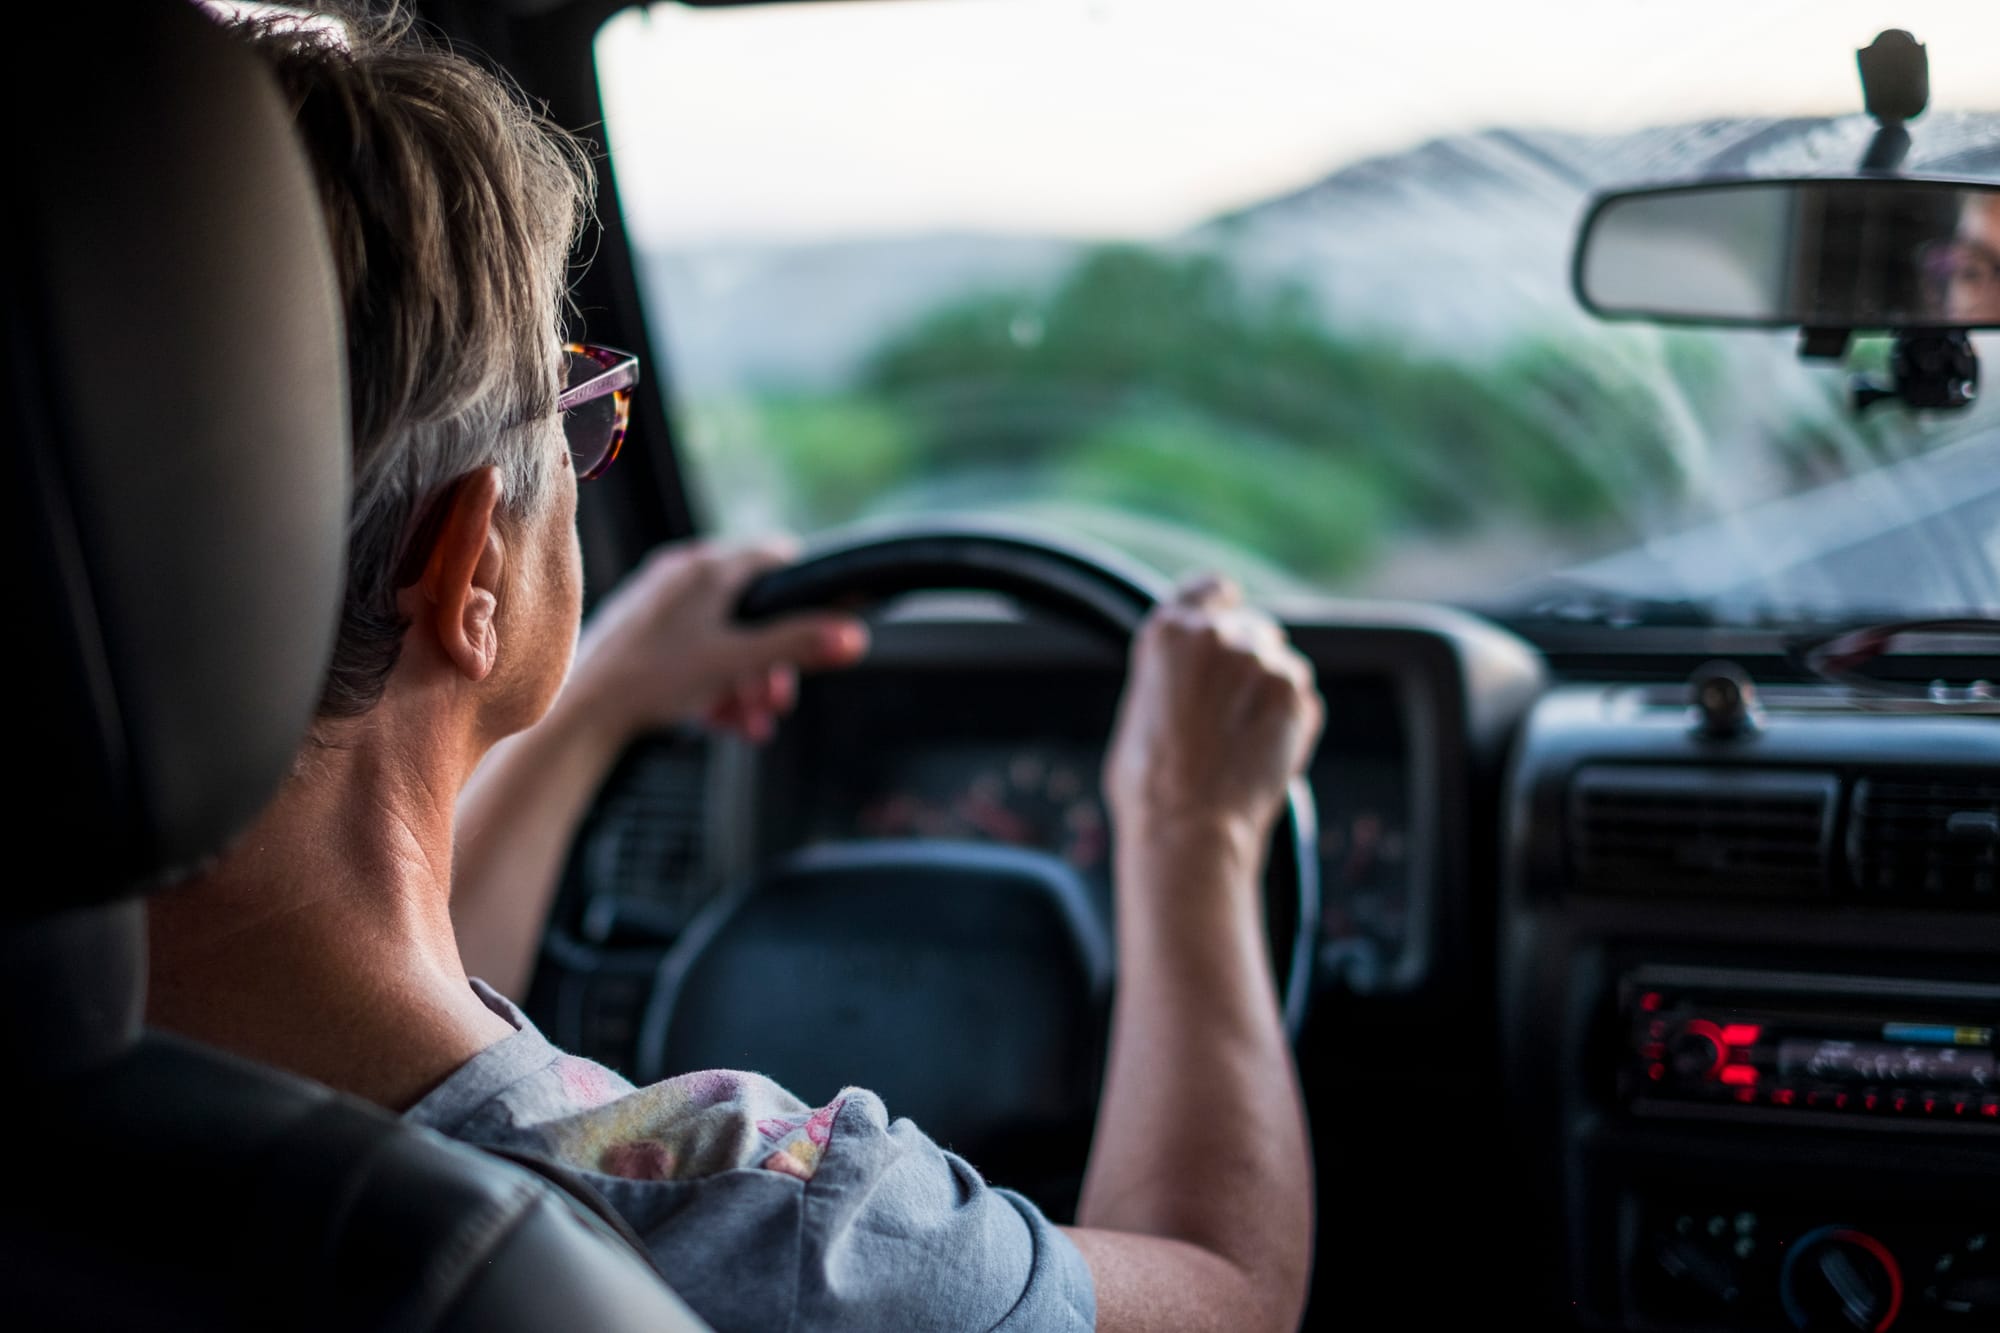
(1161, 383)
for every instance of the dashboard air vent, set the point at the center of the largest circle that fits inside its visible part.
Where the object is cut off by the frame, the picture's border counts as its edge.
(644, 858)
(1924, 843)
(1730, 832)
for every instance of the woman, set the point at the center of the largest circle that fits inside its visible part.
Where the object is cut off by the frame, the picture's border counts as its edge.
(333, 939)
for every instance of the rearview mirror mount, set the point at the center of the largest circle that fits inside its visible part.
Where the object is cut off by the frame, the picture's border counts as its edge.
(1830, 255)
(1916, 258)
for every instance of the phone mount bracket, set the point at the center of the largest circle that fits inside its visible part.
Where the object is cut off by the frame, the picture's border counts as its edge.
(1929, 369)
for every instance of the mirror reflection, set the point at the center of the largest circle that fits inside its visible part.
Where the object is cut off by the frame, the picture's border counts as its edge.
(1860, 254)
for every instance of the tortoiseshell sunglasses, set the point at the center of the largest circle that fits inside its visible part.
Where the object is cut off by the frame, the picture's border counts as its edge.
(595, 403)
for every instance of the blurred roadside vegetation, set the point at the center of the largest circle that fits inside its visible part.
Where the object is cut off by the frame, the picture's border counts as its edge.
(1159, 384)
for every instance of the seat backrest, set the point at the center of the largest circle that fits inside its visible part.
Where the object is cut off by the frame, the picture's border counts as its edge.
(178, 1188)
(175, 513)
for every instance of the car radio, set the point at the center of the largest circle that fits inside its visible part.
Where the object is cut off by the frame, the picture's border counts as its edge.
(1702, 1041)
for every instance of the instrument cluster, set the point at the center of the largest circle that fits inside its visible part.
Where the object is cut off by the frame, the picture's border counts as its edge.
(1015, 756)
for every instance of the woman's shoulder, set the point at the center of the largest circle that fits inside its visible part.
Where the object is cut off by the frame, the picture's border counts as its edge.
(688, 1127)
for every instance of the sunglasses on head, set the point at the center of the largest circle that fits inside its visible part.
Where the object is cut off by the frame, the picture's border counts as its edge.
(595, 403)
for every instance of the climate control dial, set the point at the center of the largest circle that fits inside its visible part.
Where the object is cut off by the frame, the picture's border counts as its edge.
(1838, 1278)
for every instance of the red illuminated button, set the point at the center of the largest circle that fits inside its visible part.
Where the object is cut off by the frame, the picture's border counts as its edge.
(1740, 1034)
(1739, 1076)
(1650, 1001)
(1784, 1096)
(1990, 1108)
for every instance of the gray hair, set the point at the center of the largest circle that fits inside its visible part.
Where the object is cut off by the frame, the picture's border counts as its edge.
(452, 206)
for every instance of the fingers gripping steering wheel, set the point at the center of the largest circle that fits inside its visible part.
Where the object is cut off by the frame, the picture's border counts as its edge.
(1093, 590)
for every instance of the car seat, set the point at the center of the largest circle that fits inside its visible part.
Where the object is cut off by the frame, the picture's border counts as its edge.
(175, 521)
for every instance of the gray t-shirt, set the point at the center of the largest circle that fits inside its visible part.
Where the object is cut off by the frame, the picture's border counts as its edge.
(769, 1215)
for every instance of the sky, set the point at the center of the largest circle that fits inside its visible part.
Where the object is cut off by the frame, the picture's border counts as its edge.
(1137, 118)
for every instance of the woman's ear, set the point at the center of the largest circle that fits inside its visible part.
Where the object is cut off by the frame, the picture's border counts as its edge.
(460, 587)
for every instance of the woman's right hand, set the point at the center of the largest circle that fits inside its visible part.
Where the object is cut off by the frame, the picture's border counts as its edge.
(1220, 713)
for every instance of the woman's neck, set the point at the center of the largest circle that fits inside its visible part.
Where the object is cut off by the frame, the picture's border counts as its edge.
(321, 942)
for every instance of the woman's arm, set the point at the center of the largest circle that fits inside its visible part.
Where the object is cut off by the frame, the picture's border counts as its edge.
(660, 652)
(1197, 1202)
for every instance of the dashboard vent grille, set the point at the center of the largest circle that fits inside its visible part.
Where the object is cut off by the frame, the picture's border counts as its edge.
(646, 853)
(1926, 842)
(1643, 830)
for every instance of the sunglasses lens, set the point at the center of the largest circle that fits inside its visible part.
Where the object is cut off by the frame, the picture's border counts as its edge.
(593, 427)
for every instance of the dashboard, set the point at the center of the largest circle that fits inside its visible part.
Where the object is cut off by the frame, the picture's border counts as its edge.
(1670, 1032)
(977, 720)
(1012, 756)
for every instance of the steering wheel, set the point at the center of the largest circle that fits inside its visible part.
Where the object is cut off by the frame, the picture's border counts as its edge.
(1095, 590)
(968, 984)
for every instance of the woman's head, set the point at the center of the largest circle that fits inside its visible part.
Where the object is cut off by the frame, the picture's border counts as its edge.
(1973, 290)
(452, 207)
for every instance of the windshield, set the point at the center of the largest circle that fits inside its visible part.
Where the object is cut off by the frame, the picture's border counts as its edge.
(1281, 287)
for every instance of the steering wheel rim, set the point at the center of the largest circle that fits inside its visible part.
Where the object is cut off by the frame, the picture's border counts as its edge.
(1096, 589)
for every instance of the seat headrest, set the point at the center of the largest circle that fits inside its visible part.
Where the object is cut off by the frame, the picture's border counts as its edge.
(179, 465)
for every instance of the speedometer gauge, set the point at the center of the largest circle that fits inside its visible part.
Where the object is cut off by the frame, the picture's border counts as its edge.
(1039, 797)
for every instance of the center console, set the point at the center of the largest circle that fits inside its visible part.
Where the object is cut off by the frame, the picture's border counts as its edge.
(1750, 997)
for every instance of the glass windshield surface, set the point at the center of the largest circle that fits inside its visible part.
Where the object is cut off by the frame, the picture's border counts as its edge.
(1281, 287)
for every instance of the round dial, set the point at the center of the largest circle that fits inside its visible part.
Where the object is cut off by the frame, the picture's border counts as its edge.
(1840, 1278)
(1698, 1052)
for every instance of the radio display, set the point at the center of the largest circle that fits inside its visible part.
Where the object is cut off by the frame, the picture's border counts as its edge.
(1884, 1062)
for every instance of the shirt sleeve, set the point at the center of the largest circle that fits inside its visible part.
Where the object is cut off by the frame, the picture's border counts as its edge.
(768, 1216)
(899, 1234)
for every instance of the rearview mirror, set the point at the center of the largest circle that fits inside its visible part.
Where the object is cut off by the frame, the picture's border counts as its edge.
(1890, 253)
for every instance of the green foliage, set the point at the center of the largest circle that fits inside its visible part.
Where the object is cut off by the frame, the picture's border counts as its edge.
(1304, 511)
(1160, 383)
(838, 454)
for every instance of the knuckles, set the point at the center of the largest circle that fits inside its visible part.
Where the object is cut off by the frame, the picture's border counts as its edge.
(1275, 692)
(1233, 636)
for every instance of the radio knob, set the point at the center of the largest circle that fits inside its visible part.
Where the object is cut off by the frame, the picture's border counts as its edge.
(1840, 1278)
(1694, 1055)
